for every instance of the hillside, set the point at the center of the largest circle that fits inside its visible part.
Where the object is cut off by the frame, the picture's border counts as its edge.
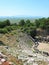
(16, 37)
(22, 44)
(15, 43)
(19, 45)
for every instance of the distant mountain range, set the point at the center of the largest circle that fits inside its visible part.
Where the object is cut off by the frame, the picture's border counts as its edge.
(15, 19)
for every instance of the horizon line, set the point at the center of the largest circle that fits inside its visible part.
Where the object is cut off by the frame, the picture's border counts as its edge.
(23, 16)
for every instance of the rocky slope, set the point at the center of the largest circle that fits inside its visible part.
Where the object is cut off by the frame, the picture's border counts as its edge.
(19, 48)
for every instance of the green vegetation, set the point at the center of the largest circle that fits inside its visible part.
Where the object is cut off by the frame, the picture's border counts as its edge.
(25, 26)
(42, 23)
(4, 23)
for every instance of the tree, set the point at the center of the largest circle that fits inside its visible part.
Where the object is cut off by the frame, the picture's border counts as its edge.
(7, 22)
(4, 23)
(37, 23)
(28, 23)
(22, 23)
(42, 23)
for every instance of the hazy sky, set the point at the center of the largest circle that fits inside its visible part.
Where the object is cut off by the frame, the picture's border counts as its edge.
(24, 8)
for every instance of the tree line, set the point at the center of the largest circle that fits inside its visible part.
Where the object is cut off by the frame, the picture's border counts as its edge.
(25, 26)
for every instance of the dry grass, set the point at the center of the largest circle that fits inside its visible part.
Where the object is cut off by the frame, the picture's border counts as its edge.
(15, 60)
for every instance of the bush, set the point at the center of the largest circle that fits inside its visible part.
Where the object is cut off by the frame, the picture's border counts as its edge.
(22, 22)
(9, 28)
(3, 31)
(4, 23)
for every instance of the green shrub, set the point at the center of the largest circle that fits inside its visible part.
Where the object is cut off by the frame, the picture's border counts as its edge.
(3, 31)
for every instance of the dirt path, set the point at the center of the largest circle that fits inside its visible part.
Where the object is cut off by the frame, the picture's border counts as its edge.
(43, 47)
